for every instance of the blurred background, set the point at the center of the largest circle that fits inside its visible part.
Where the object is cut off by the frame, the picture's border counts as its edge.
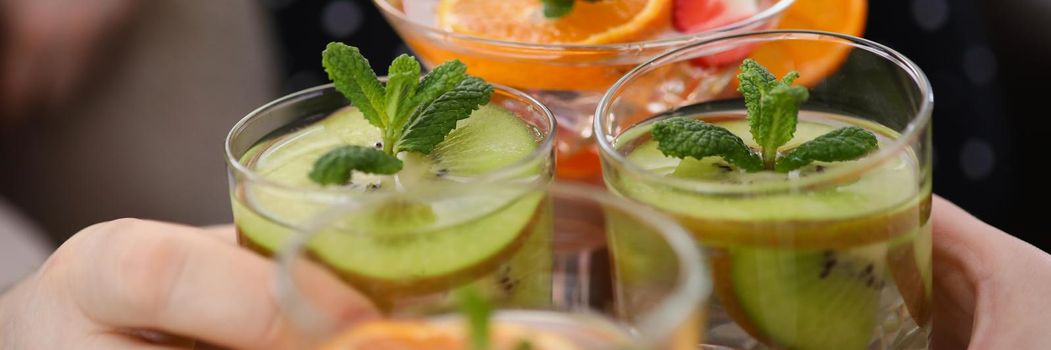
(118, 108)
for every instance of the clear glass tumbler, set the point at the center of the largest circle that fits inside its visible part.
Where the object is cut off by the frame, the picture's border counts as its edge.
(831, 256)
(587, 270)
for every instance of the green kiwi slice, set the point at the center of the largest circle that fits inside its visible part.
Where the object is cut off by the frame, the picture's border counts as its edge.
(804, 300)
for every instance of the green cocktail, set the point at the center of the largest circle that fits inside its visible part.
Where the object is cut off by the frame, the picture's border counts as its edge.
(458, 233)
(610, 274)
(820, 254)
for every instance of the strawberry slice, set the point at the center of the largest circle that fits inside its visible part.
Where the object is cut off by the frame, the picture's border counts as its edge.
(687, 14)
(696, 16)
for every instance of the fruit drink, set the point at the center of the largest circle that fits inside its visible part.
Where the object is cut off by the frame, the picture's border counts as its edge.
(423, 171)
(821, 269)
(568, 60)
(811, 196)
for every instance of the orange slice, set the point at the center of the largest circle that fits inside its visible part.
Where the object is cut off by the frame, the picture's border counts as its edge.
(600, 22)
(813, 60)
(522, 21)
(840, 16)
(417, 335)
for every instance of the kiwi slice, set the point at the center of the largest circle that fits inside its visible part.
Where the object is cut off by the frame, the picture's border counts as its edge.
(398, 262)
(525, 279)
(412, 245)
(492, 138)
(803, 300)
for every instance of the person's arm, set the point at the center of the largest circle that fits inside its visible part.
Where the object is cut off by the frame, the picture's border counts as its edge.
(118, 285)
(990, 289)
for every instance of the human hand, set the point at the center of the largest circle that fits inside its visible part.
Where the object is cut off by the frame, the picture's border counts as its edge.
(46, 47)
(121, 284)
(990, 289)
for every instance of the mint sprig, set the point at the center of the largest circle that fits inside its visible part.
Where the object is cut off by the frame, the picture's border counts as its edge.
(443, 78)
(403, 77)
(335, 166)
(413, 115)
(842, 144)
(477, 310)
(772, 105)
(557, 8)
(684, 137)
(355, 79)
(773, 113)
(431, 123)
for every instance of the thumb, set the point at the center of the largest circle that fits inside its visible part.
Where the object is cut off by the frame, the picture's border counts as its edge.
(989, 287)
(132, 274)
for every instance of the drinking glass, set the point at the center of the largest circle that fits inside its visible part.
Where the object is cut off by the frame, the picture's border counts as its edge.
(832, 256)
(567, 264)
(266, 210)
(568, 78)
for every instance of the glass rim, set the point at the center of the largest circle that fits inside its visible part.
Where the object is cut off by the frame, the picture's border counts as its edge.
(544, 147)
(774, 10)
(911, 133)
(693, 284)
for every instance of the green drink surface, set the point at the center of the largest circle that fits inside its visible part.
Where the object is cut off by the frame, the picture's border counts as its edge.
(887, 185)
(419, 227)
(730, 206)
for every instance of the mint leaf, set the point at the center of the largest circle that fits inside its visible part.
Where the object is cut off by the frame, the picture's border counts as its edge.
(403, 77)
(430, 124)
(778, 118)
(790, 78)
(477, 311)
(354, 77)
(755, 81)
(335, 167)
(773, 114)
(554, 9)
(773, 106)
(412, 115)
(842, 144)
(443, 78)
(684, 137)
(557, 8)
(524, 345)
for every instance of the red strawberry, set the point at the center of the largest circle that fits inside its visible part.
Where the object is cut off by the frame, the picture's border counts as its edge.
(696, 16)
(688, 14)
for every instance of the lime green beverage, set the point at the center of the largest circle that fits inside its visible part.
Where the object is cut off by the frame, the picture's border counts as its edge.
(436, 219)
(795, 265)
(615, 275)
(813, 202)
